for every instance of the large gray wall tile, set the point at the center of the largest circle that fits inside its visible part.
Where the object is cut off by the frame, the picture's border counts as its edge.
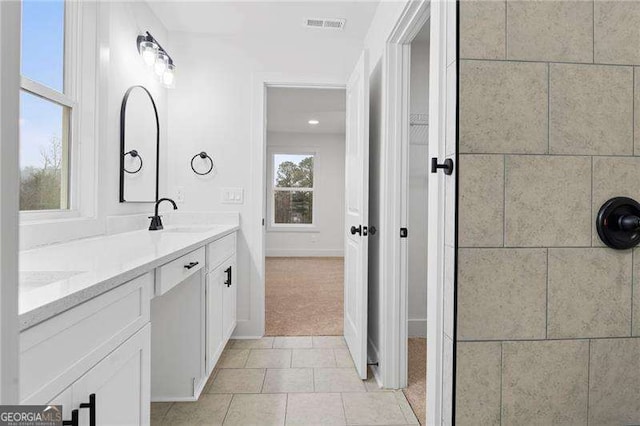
(617, 32)
(590, 109)
(545, 382)
(614, 382)
(507, 112)
(613, 177)
(482, 30)
(481, 201)
(589, 293)
(540, 193)
(550, 31)
(478, 383)
(501, 294)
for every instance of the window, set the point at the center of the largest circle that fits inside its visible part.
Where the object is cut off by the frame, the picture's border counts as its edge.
(292, 189)
(46, 108)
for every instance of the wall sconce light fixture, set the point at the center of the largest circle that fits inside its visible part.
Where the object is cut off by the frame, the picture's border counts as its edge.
(155, 56)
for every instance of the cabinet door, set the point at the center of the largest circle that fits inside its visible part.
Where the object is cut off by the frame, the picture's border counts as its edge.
(64, 398)
(229, 298)
(121, 384)
(215, 340)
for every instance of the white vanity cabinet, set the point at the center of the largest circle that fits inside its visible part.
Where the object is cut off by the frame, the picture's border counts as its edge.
(221, 297)
(99, 347)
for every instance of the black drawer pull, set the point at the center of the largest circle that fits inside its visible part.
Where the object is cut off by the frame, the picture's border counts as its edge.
(74, 419)
(191, 265)
(91, 405)
(227, 282)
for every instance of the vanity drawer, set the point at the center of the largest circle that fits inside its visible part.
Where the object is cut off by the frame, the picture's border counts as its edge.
(176, 271)
(56, 352)
(220, 250)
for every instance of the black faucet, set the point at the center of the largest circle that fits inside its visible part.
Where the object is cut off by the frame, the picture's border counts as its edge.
(156, 221)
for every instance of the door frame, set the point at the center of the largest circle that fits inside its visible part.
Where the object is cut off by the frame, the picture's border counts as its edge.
(397, 68)
(254, 326)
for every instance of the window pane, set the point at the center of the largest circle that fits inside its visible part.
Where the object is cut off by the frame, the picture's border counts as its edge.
(43, 42)
(294, 207)
(293, 171)
(43, 154)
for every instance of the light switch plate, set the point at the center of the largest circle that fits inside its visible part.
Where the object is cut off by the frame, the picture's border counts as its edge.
(232, 196)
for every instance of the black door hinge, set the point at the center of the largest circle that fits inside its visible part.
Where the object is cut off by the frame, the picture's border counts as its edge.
(403, 232)
(263, 221)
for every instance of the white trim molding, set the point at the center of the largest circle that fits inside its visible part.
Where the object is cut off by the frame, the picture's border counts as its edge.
(305, 253)
(395, 93)
(10, 18)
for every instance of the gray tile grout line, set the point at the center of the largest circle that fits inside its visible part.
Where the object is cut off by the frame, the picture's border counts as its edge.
(633, 282)
(543, 154)
(593, 32)
(552, 339)
(501, 378)
(633, 111)
(286, 408)
(504, 200)
(506, 29)
(546, 319)
(588, 381)
(591, 227)
(226, 413)
(548, 108)
(531, 61)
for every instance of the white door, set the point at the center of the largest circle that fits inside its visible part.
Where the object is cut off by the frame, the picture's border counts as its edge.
(120, 383)
(229, 298)
(215, 341)
(357, 214)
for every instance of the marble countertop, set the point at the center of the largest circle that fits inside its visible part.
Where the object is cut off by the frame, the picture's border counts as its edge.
(58, 277)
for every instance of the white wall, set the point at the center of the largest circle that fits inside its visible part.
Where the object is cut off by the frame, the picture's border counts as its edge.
(418, 187)
(119, 67)
(210, 109)
(328, 237)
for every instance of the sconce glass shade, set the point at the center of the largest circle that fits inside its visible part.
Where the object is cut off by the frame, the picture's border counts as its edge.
(161, 63)
(149, 51)
(168, 78)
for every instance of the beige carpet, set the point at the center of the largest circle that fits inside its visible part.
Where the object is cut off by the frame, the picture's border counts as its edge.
(416, 392)
(304, 296)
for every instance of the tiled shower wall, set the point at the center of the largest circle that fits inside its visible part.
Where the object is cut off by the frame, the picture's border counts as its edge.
(548, 328)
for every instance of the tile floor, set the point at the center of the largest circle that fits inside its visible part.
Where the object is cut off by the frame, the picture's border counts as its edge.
(300, 380)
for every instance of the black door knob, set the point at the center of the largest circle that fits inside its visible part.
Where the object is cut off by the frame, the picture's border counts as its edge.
(618, 223)
(357, 230)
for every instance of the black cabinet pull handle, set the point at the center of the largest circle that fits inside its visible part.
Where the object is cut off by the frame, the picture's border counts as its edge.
(227, 282)
(447, 166)
(74, 419)
(91, 405)
(191, 265)
(357, 230)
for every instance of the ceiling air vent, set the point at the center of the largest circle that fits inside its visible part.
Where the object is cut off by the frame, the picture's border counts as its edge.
(330, 24)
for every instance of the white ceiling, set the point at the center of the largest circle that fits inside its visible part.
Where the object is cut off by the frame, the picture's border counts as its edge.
(274, 18)
(290, 109)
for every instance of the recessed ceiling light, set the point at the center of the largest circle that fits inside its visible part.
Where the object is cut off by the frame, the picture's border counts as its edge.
(314, 122)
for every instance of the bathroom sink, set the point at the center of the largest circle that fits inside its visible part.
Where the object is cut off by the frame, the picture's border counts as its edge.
(188, 229)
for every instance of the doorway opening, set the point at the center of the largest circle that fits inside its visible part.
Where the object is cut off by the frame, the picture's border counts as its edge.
(304, 223)
(416, 207)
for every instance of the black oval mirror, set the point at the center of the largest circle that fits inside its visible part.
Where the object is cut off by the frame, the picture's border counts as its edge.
(139, 147)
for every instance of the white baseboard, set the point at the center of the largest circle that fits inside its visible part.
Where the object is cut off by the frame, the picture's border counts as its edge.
(417, 328)
(304, 253)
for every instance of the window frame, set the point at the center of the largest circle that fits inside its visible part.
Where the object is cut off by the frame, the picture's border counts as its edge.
(68, 99)
(291, 227)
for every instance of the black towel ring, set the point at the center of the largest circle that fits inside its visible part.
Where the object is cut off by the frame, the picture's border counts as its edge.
(202, 155)
(134, 154)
